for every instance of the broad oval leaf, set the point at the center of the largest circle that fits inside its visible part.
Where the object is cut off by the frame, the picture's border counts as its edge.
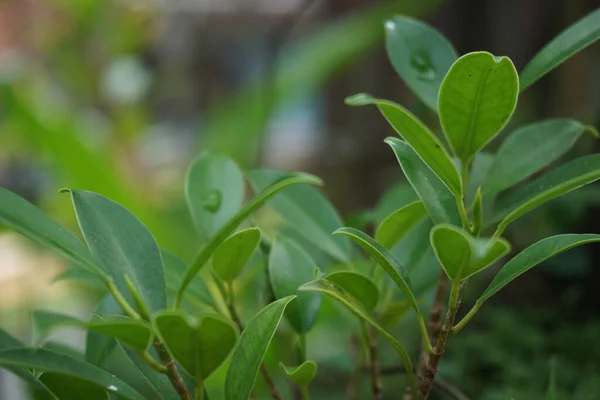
(231, 256)
(123, 245)
(337, 293)
(67, 387)
(529, 149)
(439, 202)
(399, 223)
(420, 55)
(306, 211)
(570, 41)
(302, 374)
(532, 256)
(204, 255)
(251, 349)
(477, 98)
(199, 344)
(290, 267)
(557, 182)
(50, 361)
(421, 139)
(214, 191)
(358, 286)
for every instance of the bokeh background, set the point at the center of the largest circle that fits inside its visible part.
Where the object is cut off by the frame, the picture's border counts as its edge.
(118, 96)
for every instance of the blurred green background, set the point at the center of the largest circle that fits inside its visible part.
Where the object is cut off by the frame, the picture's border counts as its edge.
(118, 96)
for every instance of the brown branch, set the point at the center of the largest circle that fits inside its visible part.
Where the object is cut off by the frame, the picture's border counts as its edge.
(374, 365)
(174, 377)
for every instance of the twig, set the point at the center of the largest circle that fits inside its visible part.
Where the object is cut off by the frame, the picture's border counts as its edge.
(374, 365)
(174, 377)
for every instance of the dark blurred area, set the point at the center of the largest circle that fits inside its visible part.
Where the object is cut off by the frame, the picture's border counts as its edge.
(119, 96)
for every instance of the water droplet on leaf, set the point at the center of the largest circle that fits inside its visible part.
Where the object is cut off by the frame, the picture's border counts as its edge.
(211, 201)
(421, 61)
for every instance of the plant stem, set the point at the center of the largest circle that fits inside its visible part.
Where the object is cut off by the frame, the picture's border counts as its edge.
(152, 362)
(112, 288)
(174, 377)
(199, 390)
(373, 359)
(272, 388)
(304, 395)
(463, 322)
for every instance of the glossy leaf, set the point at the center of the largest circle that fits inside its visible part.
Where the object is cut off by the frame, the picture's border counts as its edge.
(420, 55)
(302, 374)
(477, 98)
(251, 349)
(358, 286)
(462, 255)
(290, 267)
(123, 245)
(557, 182)
(136, 334)
(399, 223)
(529, 149)
(258, 200)
(339, 294)
(437, 199)
(214, 191)
(306, 211)
(67, 387)
(418, 136)
(532, 256)
(569, 42)
(199, 344)
(231, 256)
(50, 361)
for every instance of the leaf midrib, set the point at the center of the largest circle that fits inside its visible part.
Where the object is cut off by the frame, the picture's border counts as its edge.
(474, 113)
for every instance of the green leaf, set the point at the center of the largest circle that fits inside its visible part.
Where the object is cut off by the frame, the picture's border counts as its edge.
(307, 212)
(49, 361)
(555, 183)
(197, 292)
(199, 344)
(123, 245)
(569, 42)
(478, 176)
(98, 347)
(477, 220)
(302, 374)
(25, 218)
(45, 322)
(358, 286)
(214, 191)
(399, 223)
(477, 98)
(67, 387)
(420, 55)
(258, 200)
(134, 333)
(529, 149)
(9, 342)
(290, 267)
(532, 256)
(231, 256)
(397, 196)
(419, 137)
(462, 255)
(337, 293)
(251, 349)
(437, 199)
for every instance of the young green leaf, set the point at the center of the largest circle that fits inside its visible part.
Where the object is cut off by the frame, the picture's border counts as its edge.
(437, 199)
(302, 374)
(421, 139)
(555, 183)
(251, 349)
(306, 211)
(50, 361)
(289, 267)
(420, 55)
(123, 245)
(569, 42)
(529, 149)
(532, 256)
(214, 191)
(477, 213)
(337, 293)
(399, 223)
(258, 200)
(131, 332)
(477, 98)
(231, 256)
(68, 387)
(199, 344)
(358, 286)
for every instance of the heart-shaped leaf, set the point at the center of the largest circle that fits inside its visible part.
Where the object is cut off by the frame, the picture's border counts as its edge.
(214, 191)
(67, 387)
(477, 98)
(569, 42)
(251, 349)
(358, 286)
(302, 374)
(199, 344)
(399, 223)
(123, 245)
(231, 256)
(420, 55)
(290, 267)
(439, 202)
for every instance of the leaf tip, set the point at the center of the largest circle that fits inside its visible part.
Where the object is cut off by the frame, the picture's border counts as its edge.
(359, 99)
(592, 130)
